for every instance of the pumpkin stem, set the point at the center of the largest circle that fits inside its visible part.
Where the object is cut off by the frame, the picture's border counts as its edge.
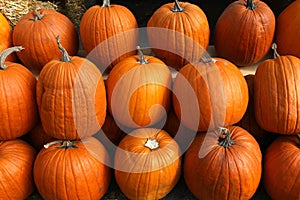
(5, 53)
(251, 5)
(46, 146)
(65, 55)
(37, 16)
(152, 144)
(274, 47)
(206, 59)
(142, 57)
(177, 7)
(106, 3)
(65, 144)
(224, 138)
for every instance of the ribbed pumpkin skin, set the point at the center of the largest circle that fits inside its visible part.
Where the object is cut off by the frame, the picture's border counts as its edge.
(39, 38)
(134, 89)
(142, 173)
(73, 173)
(16, 163)
(281, 168)
(108, 34)
(71, 98)
(223, 173)
(192, 37)
(287, 30)
(209, 95)
(276, 95)
(18, 109)
(6, 37)
(244, 36)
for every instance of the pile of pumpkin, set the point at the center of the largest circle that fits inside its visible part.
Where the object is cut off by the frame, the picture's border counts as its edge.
(209, 122)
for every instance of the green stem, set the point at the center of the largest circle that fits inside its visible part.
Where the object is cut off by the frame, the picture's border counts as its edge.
(37, 16)
(142, 57)
(7, 52)
(106, 3)
(177, 7)
(251, 5)
(224, 138)
(274, 47)
(65, 55)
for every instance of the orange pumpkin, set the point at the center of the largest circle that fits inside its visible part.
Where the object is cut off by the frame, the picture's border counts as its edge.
(72, 170)
(178, 33)
(147, 164)
(37, 137)
(71, 97)
(6, 37)
(244, 32)
(16, 164)
(138, 90)
(223, 164)
(209, 94)
(35, 32)
(18, 109)
(109, 34)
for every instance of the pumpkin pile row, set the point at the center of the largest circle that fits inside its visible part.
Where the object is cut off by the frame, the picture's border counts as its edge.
(71, 108)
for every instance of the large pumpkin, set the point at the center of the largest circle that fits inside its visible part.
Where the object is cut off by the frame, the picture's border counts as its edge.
(288, 29)
(72, 170)
(277, 94)
(147, 164)
(71, 97)
(244, 32)
(109, 34)
(18, 109)
(16, 164)
(178, 33)
(281, 168)
(35, 32)
(210, 93)
(6, 37)
(223, 164)
(138, 90)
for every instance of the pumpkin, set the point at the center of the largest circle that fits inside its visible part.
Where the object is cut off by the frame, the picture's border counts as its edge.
(138, 90)
(276, 94)
(72, 170)
(109, 34)
(281, 168)
(35, 32)
(287, 30)
(244, 32)
(178, 33)
(147, 164)
(18, 109)
(16, 163)
(6, 37)
(223, 164)
(37, 137)
(71, 97)
(210, 93)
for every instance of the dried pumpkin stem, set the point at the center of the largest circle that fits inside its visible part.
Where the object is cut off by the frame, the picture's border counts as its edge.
(274, 47)
(65, 55)
(106, 3)
(224, 138)
(65, 144)
(206, 59)
(37, 16)
(7, 52)
(142, 57)
(251, 5)
(152, 144)
(177, 7)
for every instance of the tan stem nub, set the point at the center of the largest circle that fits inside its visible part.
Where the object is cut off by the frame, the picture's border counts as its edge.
(251, 5)
(7, 52)
(37, 16)
(274, 47)
(142, 57)
(224, 138)
(152, 144)
(177, 7)
(65, 55)
(106, 3)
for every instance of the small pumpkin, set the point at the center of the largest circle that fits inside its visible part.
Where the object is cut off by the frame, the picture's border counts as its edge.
(178, 33)
(72, 170)
(147, 164)
(16, 164)
(109, 34)
(37, 137)
(209, 93)
(71, 97)
(281, 168)
(244, 32)
(223, 164)
(276, 94)
(138, 90)
(18, 108)
(35, 32)
(6, 37)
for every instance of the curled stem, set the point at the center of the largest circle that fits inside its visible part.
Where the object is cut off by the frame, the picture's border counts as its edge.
(65, 55)
(7, 52)
(37, 16)
(177, 7)
(142, 59)
(274, 47)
